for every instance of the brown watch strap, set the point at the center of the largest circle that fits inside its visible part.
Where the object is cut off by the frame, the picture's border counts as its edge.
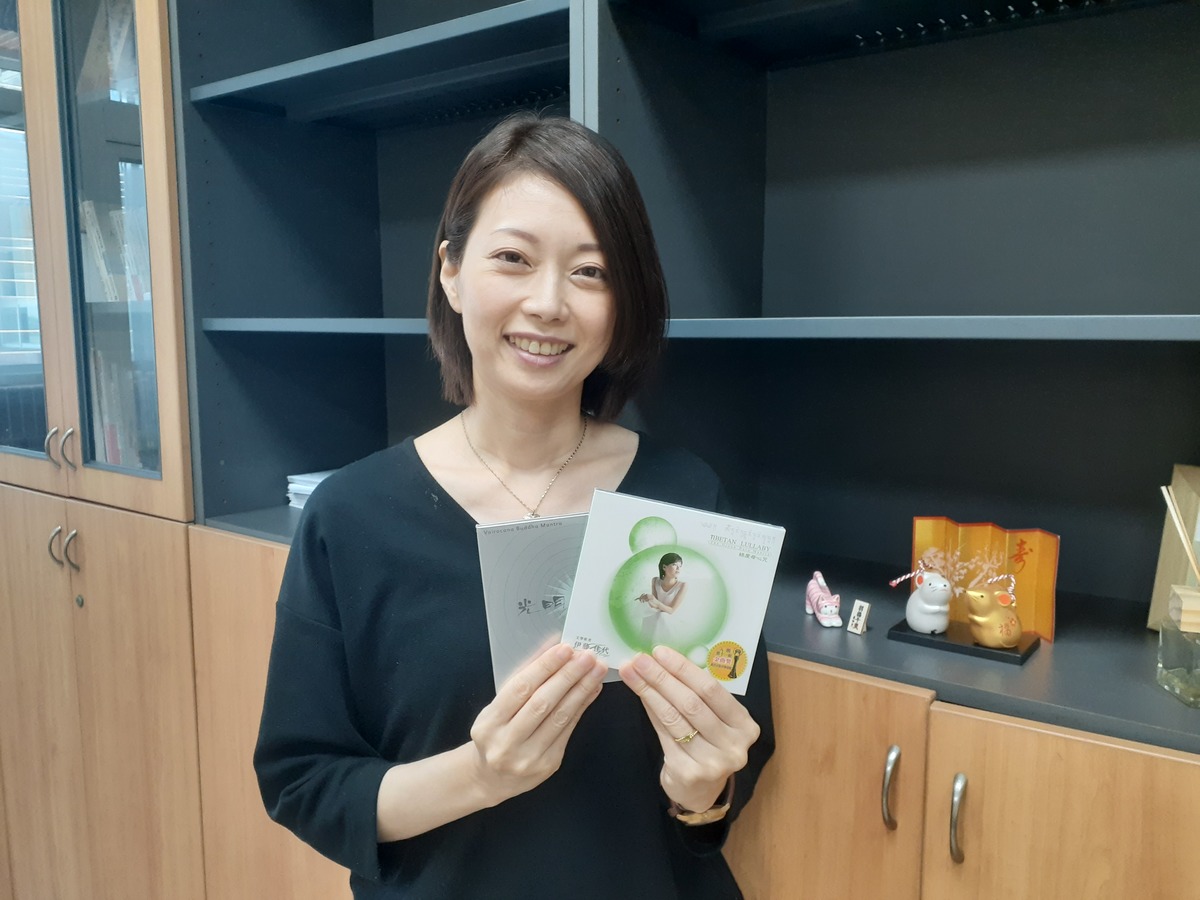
(714, 814)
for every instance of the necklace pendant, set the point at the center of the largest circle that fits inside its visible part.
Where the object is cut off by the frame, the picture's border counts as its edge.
(531, 515)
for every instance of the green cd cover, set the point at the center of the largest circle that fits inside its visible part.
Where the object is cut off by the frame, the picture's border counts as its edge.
(654, 573)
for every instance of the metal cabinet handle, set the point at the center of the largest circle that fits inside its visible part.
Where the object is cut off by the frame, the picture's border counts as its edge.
(956, 798)
(50, 544)
(889, 769)
(67, 549)
(62, 448)
(46, 447)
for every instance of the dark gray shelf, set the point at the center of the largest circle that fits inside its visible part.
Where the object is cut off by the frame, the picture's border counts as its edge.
(277, 523)
(316, 325)
(514, 53)
(1098, 675)
(1011, 328)
(780, 33)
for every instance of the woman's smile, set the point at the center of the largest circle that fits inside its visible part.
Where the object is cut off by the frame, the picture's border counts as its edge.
(538, 351)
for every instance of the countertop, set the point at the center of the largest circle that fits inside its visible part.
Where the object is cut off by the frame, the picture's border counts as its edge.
(1098, 675)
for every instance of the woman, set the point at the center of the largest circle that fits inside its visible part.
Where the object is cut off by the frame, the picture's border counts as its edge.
(383, 742)
(664, 597)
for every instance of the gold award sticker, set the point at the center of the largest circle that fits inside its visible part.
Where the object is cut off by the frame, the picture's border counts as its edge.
(726, 661)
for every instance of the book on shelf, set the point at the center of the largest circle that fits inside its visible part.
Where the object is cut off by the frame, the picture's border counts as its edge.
(626, 577)
(114, 414)
(301, 486)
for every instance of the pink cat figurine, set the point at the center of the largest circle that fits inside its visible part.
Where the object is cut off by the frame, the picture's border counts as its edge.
(819, 602)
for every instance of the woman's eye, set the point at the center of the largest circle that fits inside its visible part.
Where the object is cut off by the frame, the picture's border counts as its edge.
(510, 256)
(591, 272)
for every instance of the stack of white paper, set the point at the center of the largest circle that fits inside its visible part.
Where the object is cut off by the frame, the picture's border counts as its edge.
(300, 486)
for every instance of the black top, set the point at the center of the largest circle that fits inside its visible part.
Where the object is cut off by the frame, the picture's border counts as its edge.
(381, 656)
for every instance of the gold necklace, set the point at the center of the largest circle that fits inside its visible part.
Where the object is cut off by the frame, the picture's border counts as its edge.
(531, 511)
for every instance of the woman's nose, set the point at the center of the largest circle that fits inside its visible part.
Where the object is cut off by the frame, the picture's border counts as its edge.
(547, 297)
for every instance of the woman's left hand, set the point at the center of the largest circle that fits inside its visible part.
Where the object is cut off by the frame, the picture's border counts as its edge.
(704, 731)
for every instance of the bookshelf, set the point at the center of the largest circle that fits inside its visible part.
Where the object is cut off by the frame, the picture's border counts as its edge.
(864, 238)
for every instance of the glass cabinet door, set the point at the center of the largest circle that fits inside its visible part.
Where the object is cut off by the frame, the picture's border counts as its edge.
(100, 104)
(23, 413)
(93, 388)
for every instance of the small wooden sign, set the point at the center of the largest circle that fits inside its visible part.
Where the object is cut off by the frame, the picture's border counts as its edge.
(858, 617)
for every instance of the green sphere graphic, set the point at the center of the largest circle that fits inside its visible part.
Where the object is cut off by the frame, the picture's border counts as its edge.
(651, 531)
(700, 615)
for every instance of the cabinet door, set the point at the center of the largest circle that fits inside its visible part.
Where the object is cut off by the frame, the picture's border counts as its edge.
(1051, 812)
(235, 581)
(92, 370)
(32, 337)
(121, 258)
(137, 704)
(39, 709)
(815, 827)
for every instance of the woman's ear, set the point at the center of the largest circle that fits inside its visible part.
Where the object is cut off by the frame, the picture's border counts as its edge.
(449, 277)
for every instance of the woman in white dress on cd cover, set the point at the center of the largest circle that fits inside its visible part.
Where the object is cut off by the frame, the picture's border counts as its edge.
(664, 598)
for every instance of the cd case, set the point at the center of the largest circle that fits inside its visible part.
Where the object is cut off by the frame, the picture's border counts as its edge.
(653, 573)
(528, 570)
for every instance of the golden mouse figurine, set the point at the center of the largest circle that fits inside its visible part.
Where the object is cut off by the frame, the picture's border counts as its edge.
(992, 618)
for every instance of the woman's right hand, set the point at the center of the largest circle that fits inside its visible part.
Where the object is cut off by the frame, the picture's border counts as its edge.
(520, 737)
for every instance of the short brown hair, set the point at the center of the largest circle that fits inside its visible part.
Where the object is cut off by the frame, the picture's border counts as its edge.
(591, 170)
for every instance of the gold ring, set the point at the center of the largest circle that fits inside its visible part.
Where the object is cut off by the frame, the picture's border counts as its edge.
(687, 737)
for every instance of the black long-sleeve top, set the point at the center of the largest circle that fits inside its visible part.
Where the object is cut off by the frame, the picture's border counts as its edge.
(380, 656)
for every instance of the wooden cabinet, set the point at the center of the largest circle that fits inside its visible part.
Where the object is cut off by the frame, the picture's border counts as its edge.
(133, 653)
(235, 581)
(40, 740)
(92, 365)
(97, 725)
(1046, 811)
(822, 794)
(1052, 812)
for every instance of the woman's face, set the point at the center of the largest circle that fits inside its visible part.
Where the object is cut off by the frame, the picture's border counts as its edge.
(532, 291)
(672, 570)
